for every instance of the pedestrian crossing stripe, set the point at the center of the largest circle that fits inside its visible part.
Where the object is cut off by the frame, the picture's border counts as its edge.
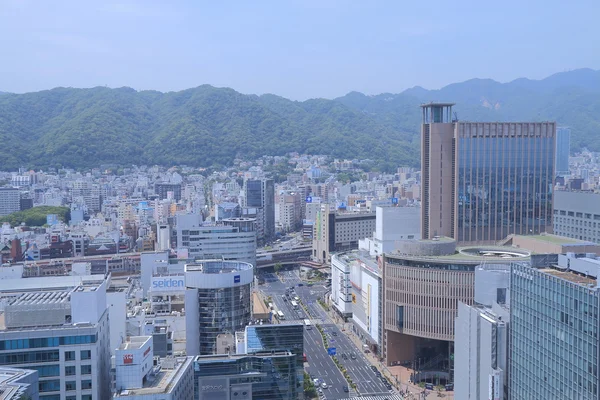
(389, 397)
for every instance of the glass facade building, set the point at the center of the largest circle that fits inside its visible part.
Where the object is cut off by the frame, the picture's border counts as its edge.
(563, 149)
(260, 376)
(505, 174)
(483, 181)
(217, 300)
(280, 337)
(553, 335)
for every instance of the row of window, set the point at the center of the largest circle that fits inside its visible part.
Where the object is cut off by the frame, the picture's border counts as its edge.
(18, 344)
(576, 222)
(577, 214)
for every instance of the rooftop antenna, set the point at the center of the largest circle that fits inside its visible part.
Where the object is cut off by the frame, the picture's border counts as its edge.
(455, 119)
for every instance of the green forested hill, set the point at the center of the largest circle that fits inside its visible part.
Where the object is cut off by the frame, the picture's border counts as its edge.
(207, 126)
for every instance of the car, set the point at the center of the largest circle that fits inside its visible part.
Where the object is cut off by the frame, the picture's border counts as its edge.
(319, 390)
(353, 356)
(312, 376)
(285, 299)
(300, 284)
(324, 385)
(344, 356)
(317, 381)
(374, 368)
(345, 388)
(334, 333)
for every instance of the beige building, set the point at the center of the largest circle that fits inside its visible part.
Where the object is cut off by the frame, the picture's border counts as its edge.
(483, 181)
(423, 283)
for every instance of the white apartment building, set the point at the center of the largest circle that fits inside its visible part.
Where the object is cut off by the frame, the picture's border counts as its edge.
(391, 225)
(58, 326)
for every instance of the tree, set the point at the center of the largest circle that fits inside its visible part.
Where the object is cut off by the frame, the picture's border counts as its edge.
(277, 267)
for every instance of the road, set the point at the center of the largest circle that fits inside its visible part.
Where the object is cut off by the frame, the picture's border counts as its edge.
(320, 364)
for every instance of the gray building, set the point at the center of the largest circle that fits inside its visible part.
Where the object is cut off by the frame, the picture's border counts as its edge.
(481, 337)
(270, 354)
(553, 335)
(260, 194)
(483, 181)
(577, 215)
(563, 149)
(10, 201)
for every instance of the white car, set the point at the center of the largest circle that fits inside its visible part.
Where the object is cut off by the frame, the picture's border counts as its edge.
(324, 385)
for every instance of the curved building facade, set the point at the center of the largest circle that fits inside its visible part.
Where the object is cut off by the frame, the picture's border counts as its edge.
(423, 284)
(217, 300)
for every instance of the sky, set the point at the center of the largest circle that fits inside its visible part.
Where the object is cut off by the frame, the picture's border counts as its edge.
(298, 49)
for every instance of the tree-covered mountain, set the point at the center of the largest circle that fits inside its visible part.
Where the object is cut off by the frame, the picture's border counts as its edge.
(570, 98)
(207, 126)
(203, 126)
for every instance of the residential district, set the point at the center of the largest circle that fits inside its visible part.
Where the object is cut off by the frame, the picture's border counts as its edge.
(303, 276)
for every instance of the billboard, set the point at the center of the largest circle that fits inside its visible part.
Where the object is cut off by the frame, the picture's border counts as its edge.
(167, 283)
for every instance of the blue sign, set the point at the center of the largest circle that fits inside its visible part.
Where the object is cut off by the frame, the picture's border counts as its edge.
(331, 351)
(236, 279)
(163, 283)
(394, 200)
(308, 199)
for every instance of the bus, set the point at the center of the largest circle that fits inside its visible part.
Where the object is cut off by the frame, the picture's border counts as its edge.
(295, 305)
(307, 324)
(280, 315)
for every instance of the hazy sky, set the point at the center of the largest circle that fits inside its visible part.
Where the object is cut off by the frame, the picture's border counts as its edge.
(294, 48)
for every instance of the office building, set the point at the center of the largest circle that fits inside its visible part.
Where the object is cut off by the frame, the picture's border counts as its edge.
(356, 293)
(392, 224)
(577, 215)
(226, 240)
(227, 210)
(168, 191)
(554, 331)
(339, 231)
(484, 181)
(10, 201)
(58, 326)
(137, 378)
(563, 150)
(481, 337)
(289, 211)
(271, 354)
(260, 194)
(424, 281)
(226, 376)
(217, 300)
(18, 384)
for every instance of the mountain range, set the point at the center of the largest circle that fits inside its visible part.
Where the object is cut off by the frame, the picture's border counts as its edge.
(208, 126)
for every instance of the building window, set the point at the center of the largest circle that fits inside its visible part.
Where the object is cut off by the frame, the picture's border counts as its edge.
(86, 369)
(70, 370)
(86, 397)
(86, 354)
(86, 384)
(69, 356)
(70, 385)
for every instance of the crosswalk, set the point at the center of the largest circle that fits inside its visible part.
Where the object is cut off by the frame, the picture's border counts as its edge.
(383, 397)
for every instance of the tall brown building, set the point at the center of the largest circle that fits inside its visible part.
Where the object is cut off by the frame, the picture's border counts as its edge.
(483, 181)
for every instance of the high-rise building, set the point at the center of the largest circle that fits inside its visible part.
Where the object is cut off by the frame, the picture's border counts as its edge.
(58, 326)
(217, 300)
(554, 331)
(483, 181)
(10, 201)
(563, 149)
(229, 240)
(260, 194)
